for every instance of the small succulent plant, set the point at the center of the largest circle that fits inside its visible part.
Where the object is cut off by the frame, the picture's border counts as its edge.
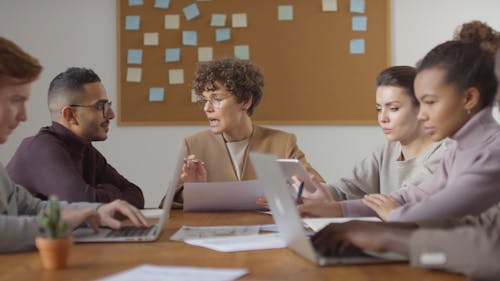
(50, 222)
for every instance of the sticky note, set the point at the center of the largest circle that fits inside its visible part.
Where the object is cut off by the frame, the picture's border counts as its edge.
(357, 6)
(132, 22)
(190, 38)
(285, 12)
(156, 94)
(172, 55)
(176, 76)
(357, 46)
(205, 53)
(134, 56)
(242, 52)
(171, 21)
(162, 4)
(218, 20)
(151, 39)
(359, 23)
(134, 74)
(329, 5)
(194, 96)
(191, 11)
(135, 2)
(239, 20)
(222, 34)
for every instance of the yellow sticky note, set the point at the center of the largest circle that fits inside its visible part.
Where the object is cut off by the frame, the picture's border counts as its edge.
(205, 53)
(134, 74)
(176, 76)
(172, 22)
(329, 5)
(239, 20)
(151, 39)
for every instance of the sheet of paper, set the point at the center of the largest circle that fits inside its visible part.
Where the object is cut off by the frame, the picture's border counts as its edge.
(152, 213)
(132, 22)
(172, 55)
(156, 94)
(134, 56)
(241, 243)
(329, 5)
(176, 76)
(218, 20)
(162, 4)
(198, 232)
(190, 38)
(172, 21)
(135, 2)
(239, 20)
(242, 52)
(222, 196)
(134, 74)
(194, 96)
(317, 224)
(222, 34)
(148, 272)
(357, 6)
(205, 53)
(285, 12)
(151, 39)
(359, 23)
(269, 227)
(357, 46)
(191, 11)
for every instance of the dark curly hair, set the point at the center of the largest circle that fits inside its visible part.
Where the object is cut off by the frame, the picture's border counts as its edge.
(241, 78)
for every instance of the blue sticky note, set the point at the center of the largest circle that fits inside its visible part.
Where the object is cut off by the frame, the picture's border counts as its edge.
(134, 56)
(173, 54)
(359, 23)
(132, 22)
(156, 94)
(190, 38)
(357, 46)
(135, 2)
(191, 11)
(357, 6)
(162, 4)
(222, 34)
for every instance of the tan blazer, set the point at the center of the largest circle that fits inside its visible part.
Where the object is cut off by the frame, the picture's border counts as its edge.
(211, 149)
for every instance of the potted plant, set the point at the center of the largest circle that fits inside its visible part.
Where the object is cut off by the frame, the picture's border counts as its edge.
(55, 242)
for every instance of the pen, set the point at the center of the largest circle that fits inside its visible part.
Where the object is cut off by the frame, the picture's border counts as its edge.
(299, 194)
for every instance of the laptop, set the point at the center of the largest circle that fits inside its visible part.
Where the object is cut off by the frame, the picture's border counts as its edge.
(131, 233)
(289, 223)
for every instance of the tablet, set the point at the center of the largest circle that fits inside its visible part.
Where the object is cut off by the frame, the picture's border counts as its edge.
(292, 167)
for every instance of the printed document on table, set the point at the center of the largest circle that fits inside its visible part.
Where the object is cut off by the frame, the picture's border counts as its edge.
(197, 232)
(241, 243)
(222, 196)
(148, 272)
(316, 224)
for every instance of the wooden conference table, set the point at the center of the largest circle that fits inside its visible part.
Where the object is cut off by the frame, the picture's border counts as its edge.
(93, 261)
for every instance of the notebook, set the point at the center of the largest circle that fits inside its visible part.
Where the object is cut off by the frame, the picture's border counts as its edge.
(130, 233)
(289, 223)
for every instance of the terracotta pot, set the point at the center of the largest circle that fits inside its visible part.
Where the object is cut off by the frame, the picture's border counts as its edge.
(54, 252)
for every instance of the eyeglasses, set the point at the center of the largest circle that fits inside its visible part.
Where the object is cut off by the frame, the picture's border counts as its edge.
(103, 105)
(215, 102)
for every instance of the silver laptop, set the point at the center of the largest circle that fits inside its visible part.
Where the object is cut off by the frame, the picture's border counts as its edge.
(289, 223)
(130, 233)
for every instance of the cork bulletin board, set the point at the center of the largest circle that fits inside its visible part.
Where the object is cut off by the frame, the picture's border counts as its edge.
(319, 57)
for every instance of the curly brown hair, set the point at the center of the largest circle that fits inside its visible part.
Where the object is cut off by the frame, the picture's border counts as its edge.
(480, 33)
(241, 78)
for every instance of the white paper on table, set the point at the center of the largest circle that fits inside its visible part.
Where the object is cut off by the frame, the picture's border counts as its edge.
(152, 213)
(269, 227)
(316, 224)
(241, 243)
(222, 196)
(148, 272)
(198, 232)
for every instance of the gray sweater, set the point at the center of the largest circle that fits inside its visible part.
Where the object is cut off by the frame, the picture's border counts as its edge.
(18, 210)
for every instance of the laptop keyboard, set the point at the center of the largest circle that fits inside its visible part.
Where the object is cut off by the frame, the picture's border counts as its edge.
(129, 230)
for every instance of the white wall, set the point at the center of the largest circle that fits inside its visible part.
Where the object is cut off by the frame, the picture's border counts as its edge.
(63, 33)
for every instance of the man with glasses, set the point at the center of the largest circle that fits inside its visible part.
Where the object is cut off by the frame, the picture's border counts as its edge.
(60, 159)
